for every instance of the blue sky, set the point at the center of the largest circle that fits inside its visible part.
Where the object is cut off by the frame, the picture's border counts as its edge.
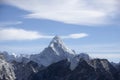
(28, 27)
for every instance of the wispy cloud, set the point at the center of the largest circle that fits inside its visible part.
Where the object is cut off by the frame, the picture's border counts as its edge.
(75, 36)
(83, 12)
(21, 34)
(9, 23)
(18, 34)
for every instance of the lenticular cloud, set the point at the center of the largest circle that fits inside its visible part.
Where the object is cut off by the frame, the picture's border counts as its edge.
(81, 12)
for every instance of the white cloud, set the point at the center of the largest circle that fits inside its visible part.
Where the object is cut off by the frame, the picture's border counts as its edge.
(18, 34)
(76, 36)
(21, 34)
(83, 12)
(9, 23)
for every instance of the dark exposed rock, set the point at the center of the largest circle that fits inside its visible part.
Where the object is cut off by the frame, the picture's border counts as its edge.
(94, 69)
(23, 71)
(82, 72)
(104, 69)
(99, 69)
(56, 71)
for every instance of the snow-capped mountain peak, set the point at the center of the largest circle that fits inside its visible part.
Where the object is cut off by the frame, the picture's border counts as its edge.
(55, 52)
(58, 43)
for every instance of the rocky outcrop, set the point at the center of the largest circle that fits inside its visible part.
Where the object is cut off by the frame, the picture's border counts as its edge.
(99, 69)
(56, 71)
(6, 70)
(23, 70)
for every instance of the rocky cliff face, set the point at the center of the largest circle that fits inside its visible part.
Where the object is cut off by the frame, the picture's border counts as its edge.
(84, 71)
(56, 71)
(6, 70)
(23, 71)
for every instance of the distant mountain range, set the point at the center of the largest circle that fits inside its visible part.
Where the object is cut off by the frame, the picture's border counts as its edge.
(56, 62)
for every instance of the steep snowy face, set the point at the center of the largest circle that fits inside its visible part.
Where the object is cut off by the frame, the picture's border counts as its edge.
(55, 52)
(6, 70)
(83, 56)
(75, 60)
(17, 57)
(57, 44)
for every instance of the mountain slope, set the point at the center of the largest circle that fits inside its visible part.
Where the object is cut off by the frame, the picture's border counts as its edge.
(83, 71)
(55, 52)
(6, 70)
(23, 71)
(56, 71)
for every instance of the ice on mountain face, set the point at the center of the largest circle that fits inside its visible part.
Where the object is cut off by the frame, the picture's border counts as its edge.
(55, 52)
(56, 40)
(75, 60)
(58, 46)
(14, 54)
(83, 56)
(6, 70)
(58, 43)
(22, 58)
(15, 57)
(7, 56)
